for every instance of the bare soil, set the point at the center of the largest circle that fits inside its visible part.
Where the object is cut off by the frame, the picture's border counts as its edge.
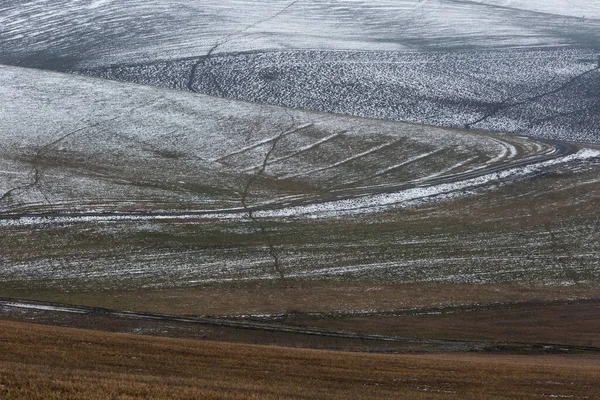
(572, 323)
(41, 362)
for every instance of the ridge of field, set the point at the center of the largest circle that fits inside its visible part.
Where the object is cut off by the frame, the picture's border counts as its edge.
(546, 93)
(560, 324)
(81, 144)
(62, 34)
(35, 365)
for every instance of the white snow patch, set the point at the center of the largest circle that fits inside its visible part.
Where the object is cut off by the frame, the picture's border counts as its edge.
(449, 169)
(98, 3)
(405, 162)
(573, 8)
(40, 307)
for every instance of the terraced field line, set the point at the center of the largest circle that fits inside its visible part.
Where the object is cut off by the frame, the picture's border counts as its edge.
(507, 148)
(445, 171)
(393, 167)
(299, 151)
(263, 142)
(344, 161)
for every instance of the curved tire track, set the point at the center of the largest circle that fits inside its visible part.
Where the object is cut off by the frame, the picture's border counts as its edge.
(561, 149)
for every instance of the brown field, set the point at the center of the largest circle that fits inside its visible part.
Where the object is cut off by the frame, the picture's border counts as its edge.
(40, 362)
(568, 324)
(320, 296)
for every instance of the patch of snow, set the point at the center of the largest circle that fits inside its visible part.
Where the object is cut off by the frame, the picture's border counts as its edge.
(583, 9)
(46, 33)
(40, 307)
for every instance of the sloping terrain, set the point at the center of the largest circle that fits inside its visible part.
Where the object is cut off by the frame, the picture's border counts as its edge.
(543, 93)
(508, 66)
(65, 34)
(152, 201)
(117, 188)
(583, 9)
(98, 365)
(83, 144)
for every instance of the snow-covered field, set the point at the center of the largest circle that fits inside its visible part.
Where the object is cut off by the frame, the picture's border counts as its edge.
(578, 8)
(126, 256)
(544, 93)
(75, 143)
(141, 160)
(442, 62)
(66, 34)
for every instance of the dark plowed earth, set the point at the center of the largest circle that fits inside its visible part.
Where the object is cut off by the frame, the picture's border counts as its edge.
(236, 330)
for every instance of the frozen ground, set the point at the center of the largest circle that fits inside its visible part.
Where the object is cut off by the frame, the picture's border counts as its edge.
(66, 34)
(543, 93)
(509, 66)
(108, 187)
(74, 143)
(578, 8)
(78, 144)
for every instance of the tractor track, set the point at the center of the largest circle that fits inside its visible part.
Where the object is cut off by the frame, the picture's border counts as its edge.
(560, 149)
(30, 310)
